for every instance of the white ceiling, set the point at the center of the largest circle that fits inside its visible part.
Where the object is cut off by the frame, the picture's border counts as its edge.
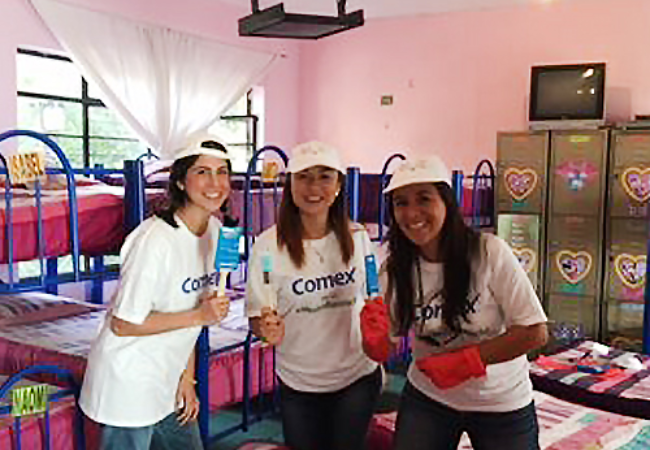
(387, 8)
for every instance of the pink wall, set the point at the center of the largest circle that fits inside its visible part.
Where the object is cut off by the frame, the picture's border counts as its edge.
(456, 78)
(459, 78)
(21, 27)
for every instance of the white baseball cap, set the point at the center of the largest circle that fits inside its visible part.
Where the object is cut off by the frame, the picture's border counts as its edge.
(204, 144)
(312, 154)
(429, 170)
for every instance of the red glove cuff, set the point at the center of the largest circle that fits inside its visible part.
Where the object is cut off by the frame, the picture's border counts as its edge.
(447, 370)
(378, 350)
(474, 362)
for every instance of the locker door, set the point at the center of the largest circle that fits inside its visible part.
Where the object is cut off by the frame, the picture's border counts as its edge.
(522, 159)
(577, 172)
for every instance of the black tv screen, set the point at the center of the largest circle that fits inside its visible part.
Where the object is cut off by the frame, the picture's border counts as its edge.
(567, 92)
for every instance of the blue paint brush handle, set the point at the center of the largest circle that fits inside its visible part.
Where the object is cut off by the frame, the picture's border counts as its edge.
(227, 256)
(372, 276)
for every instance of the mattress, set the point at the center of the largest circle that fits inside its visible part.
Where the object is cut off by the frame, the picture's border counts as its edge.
(65, 341)
(623, 390)
(96, 237)
(563, 426)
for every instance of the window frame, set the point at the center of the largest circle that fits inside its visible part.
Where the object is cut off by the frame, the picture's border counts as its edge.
(84, 100)
(88, 102)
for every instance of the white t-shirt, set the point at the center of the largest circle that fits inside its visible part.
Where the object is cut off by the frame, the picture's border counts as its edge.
(131, 381)
(501, 296)
(321, 350)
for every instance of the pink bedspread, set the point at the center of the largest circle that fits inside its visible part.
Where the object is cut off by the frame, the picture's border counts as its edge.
(563, 426)
(66, 342)
(100, 213)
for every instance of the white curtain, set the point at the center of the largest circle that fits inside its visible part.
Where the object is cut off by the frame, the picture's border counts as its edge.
(167, 85)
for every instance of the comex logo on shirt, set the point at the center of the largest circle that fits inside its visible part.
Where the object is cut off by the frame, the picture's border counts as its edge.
(194, 284)
(300, 286)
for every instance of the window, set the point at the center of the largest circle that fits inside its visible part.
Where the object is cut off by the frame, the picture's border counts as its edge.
(238, 127)
(54, 99)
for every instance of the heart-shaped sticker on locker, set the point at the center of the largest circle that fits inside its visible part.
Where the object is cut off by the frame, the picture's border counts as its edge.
(520, 183)
(636, 183)
(573, 266)
(630, 269)
(527, 258)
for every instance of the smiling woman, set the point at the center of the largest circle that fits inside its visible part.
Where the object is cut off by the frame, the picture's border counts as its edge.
(420, 211)
(308, 306)
(139, 382)
(474, 314)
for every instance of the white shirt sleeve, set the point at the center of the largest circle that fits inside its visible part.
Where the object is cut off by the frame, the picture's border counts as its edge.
(259, 294)
(511, 287)
(142, 275)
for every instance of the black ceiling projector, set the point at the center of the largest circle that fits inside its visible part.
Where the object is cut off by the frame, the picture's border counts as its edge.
(274, 22)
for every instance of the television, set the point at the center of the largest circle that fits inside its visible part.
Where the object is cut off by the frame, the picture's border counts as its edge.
(567, 93)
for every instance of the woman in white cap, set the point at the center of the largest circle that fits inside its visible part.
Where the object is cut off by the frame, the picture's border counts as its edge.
(474, 314)
(308, 304)
(139, 382)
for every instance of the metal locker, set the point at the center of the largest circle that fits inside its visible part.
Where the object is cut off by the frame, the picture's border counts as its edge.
(627, 259)
(626, 273)
(573, 261)
(522, 233)
(522, 160)
(627, 236)
(580, 311)
(577, 174)
(630, 174)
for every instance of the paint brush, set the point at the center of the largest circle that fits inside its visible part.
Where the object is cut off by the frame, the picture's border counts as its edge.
(227, 257)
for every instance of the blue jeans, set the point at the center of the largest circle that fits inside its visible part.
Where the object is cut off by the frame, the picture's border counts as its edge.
(332, 420)
(424, 424)
(168, 434)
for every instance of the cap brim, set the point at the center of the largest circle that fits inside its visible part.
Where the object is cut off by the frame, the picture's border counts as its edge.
(401, 183)
(300, 167)
(192, 151)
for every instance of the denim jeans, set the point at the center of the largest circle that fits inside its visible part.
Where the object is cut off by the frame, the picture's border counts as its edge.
(424, 424)
(168, 434)
(329, 421)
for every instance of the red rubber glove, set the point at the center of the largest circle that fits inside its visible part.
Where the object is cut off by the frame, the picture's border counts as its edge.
(447, 370)
(375, 328)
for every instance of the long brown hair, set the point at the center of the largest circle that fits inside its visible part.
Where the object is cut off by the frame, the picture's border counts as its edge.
(459, 249)
(291, 232)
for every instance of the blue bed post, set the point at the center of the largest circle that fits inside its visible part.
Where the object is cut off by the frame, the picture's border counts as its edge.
(134, 198)
(72, 201)
(248, 194)
(646, 309)
(353, 183)
(72, 389)
(457, 186)
(51, 276)
(97, 284)
(203, 384)
(383, 179)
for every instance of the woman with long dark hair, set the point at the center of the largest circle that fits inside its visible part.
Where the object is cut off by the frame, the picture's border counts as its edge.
(474, 315)
(139, 382)
(306, 287)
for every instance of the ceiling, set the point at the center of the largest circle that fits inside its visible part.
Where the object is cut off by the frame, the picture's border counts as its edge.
(386, 8)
